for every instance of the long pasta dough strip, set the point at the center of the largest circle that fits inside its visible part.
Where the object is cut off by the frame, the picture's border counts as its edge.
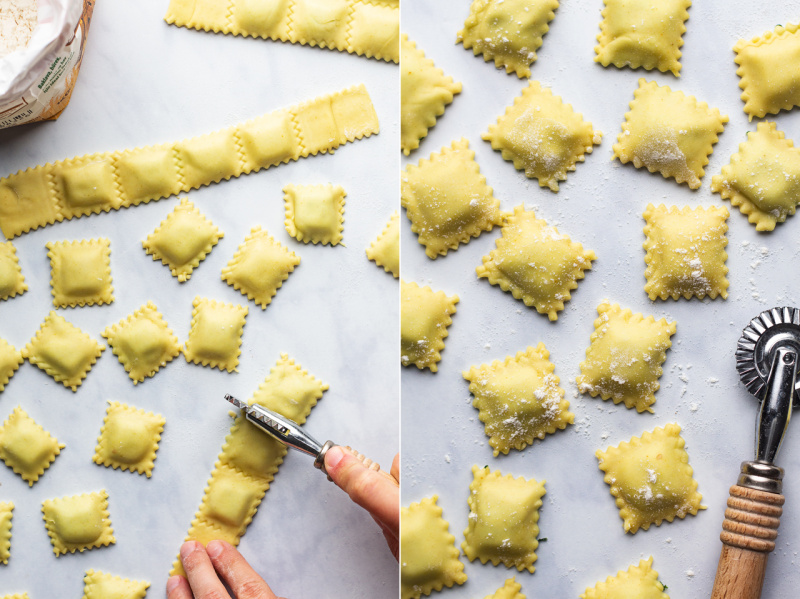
(108, 181)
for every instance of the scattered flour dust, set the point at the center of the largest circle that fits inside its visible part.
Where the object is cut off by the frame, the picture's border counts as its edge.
(18, 19)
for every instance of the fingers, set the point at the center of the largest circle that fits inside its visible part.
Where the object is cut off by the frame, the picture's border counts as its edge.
(395, 471)
(178, 588)
(204, 582)
(237, 573)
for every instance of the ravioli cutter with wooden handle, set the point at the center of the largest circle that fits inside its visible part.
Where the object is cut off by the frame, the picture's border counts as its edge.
(766, 358)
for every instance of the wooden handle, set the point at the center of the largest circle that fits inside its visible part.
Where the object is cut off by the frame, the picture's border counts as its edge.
(748, 537)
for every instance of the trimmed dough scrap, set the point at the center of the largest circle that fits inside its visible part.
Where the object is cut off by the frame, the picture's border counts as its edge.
(315, 213)
(10, 361)
(129, 439)
(685, 252)
(519, 399)
(542, 136)
(424, 318)
(80, 272)
(503, 519)
(215, 338)
(507, 31)
(763, 178)
(385, 250)
(26, 447)
(425, 91)
(510, 590)
(12, 283)
(99, 585)
(650, 478)
(536, 263)
(6, 513)
(624, 357)
(668, 132)
(428, 555)
(638, 582)
(78, 522)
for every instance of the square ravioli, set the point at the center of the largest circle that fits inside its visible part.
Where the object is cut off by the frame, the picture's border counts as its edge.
(424, 318)
(510, 590)
(768, 77)
(519, 399)
(642, 33)
(542, 136)
(12, 283)
(315, 213)
(63, 351)
(10, 361)
(259, 267)
(231, 499)
(425, 91)
(99, 585)
(669, 133)
(26, 447)
(80, 272)
(129, 439)
(639, 582)
(536, 263)
(447, 200)
(78, 522)
(86, 185)
(6, 513)
(183, 240)
(385, 250)
(503, 519)
(428, 555)
(216, 334)
(624, 357)
(651, 479)
(763, 178)
(143, 342)
(685, 252)
(507, 31)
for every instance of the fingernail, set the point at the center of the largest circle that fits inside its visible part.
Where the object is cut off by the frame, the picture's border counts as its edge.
(173, 583)
(333, 457)
(214, 548)
(187, 548)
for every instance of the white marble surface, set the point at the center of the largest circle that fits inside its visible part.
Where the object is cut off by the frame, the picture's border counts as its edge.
(144, 82)
(600, 205)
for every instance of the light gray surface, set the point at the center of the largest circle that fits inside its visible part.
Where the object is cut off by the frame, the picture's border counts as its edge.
(600, 205)
(144, 82)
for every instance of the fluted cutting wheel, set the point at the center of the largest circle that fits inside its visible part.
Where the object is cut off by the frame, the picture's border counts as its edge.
(770, 330)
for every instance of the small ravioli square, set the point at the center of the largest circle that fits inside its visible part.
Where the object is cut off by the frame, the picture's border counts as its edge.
(63, 351)
(510, 590)
(685, 252)
(428, 555)
(542, 136)
(642, 33)
(668, 132)
(536, 263)
(146, 174)
(99, 585)
(624, 357)
(519, 399)
(26, 447)
(763, 178)
(651, 479)
(424, 318)
(78, 522)
(183, 240)
(129, 438)
(10, 361)
(231, 499)
(216, 334)
(447, 200)
(425, 91)
(143, 342)
(638, 582)
(6, 512)
(315, 213)
(503, 519)
(385, 250)
(12, 282)
(80, 272)
(86, 185)
(259, 267)
(251, 452)
(507, 31)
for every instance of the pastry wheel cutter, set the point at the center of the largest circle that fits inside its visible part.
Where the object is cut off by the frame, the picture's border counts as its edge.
(766, 358)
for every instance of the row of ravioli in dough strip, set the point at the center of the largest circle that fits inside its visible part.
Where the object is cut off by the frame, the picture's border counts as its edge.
(95, 183)
(366, 27)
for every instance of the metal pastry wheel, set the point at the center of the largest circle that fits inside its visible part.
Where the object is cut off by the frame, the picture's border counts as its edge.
(766, 358)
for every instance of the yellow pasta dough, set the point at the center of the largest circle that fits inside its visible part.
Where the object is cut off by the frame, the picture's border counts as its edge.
(763, 178)
(78, 522)
(519, 399)
(129, 439)
(424, 318)
(638, 582)
(12, 283)
(385, 250)
(507, 31)
(768, 77)
(642, 33)
(685, 252)
(503, 519)
(26, 447)
(315, 213)
(16, 596)
(424, 93)
(80, 272)
(99, 585)
(510, 590)
(428, 555)
(542, 136)
(216, 334)
(10, 361)
(536, 263)
(143, 342)
(669, 133)
(259, 267)
(650, 478)
(6, 513)
(624, 357)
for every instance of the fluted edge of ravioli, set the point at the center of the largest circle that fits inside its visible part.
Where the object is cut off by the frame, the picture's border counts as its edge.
(642, 572)
(6, 515)
(9, 253)
(444, 304)
(150, 426)
(510, 590)
(10, 361)
(385, 249)
(108, 583)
